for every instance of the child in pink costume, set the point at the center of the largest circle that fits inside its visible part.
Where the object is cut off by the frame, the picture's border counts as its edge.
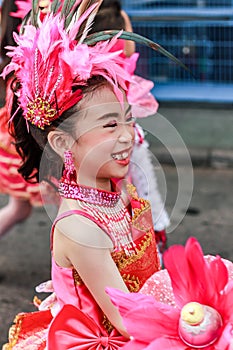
(70, 111)
(72, 120)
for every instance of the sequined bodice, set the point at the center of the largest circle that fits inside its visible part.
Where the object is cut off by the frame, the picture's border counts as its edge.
(135, 268)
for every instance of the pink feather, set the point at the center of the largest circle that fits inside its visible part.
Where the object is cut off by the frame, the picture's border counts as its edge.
(219, 273)
(49, 62)
(166, 344)
(193, 278)
(133, 304)
(189, 270)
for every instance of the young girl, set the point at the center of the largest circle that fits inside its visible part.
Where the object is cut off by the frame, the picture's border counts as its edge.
(24, 194)
(70, 106)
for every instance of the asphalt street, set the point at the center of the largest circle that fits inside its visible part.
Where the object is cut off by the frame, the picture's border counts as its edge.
(25, 256)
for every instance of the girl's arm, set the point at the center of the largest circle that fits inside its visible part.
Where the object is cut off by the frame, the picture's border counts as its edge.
(94, 265)
(129, 45)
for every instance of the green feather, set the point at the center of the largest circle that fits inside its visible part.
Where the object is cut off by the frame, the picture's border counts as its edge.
(70, 17)
(55, 6)
(25, 21)
(108, 34)
(66, 8)
(34, 13)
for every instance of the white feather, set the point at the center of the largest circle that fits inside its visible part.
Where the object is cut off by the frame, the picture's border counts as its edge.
(82, 8)
(142, 173)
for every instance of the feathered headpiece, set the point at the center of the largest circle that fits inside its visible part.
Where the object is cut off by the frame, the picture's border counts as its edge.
(54, 56)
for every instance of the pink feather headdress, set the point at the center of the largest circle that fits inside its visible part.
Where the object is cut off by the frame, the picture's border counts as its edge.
(53, 57)
(49, 61)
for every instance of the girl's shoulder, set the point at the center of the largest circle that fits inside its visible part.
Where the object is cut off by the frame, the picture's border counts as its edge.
(81, 228)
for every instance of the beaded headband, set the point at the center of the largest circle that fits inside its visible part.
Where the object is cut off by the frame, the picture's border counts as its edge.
(55, 55)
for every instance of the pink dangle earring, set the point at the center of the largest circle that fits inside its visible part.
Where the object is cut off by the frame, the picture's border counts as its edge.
(69, 173)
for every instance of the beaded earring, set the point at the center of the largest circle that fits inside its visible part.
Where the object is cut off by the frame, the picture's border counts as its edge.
(69, 173)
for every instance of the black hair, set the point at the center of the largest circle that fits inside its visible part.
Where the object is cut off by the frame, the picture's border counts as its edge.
(111, 3)
(108, 17)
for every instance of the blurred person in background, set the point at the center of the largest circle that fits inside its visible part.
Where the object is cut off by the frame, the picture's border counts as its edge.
(22, 195)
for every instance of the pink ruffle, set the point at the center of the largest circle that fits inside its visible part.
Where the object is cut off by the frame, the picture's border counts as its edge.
(140, 97)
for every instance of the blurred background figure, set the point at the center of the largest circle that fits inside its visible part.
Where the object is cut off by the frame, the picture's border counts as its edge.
(22, 195)
(111, 16)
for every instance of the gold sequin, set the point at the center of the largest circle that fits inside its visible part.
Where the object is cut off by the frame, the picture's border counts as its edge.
(107, 324)
(40, 113)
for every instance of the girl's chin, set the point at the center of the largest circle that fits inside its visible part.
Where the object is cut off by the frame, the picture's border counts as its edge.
(121, 174)
(115, 175)
(114, 170)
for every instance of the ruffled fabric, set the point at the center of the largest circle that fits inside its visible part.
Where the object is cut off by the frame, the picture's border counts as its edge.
(29, 331)
(140, 97)
(11, 182)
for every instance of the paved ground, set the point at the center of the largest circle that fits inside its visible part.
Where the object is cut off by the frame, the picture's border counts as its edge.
(24, 252)
(206, 130)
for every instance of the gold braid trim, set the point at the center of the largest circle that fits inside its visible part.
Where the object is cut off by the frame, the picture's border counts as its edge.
(144, 206)
(14, 332)
(132, 282)
(122, 260)
(77, 279)
(107, 324)
(131, 189)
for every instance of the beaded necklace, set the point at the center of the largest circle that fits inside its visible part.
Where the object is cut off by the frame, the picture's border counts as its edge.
(107, 209)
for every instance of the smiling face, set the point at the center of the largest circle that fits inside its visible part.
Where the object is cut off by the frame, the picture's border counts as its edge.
(104, 138)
